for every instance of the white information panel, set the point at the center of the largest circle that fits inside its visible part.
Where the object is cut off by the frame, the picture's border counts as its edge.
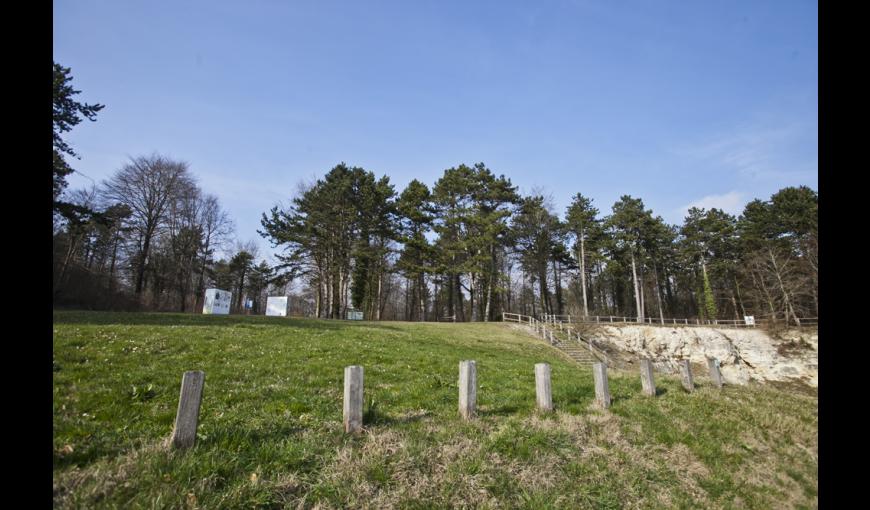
(277, 306)
(354, 315)
(217, 302)
(750, 320)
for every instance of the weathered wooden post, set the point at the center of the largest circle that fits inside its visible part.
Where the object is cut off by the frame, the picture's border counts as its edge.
(467, 389)
(552, 340)
(353, 398)
(602, 391)
(543, 390)
(715, 373)
(646, 378)
(686, 375)
(187, 418)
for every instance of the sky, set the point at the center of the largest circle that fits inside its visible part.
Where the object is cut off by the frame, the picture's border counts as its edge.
(707, 104)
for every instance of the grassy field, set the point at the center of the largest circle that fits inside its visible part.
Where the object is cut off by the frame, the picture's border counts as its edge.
(271, 435)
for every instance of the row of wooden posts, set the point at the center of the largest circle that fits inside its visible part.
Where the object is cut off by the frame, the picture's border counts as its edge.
(192, 383)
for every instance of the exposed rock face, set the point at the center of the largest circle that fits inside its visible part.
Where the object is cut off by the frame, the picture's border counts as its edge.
(743, 354)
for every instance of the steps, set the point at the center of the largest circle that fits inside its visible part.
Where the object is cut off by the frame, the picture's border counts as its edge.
(576, 350)
(563, 341)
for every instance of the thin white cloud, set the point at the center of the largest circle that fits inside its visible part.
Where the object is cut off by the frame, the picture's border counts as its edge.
(731, 202)
(755, 151)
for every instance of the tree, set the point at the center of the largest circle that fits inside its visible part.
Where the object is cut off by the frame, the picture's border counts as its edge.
(148, 185)
(535, 233)
(778, 240)
(582, 222)
(415, 216)
(66, 113)
(709, 239)
(627, 224)
(337, 235)
(239, 266)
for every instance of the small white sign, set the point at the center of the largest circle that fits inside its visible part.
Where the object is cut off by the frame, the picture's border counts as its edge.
(354, 315)
(217, 302)
(277, 306)
(749, 319)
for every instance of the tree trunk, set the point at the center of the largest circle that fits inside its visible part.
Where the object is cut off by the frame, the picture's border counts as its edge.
(739, 299)
(788, 305)
(422, 291)
(380, 286)
(143, 256)
(459, 313)
(112, 267)
(583, 275)
(557, 282)
(642, 301)
(637, 298)
(471, 279)
(658, 292)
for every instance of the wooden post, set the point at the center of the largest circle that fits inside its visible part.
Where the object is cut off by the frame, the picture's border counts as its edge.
(646, 378)
(715, 373)
(602, 391)
(467, 389)
(686, 375)
(543, 390)
(187, 418)
(353, 398)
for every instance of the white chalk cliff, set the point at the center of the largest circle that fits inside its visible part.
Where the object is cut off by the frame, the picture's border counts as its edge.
(743, 354)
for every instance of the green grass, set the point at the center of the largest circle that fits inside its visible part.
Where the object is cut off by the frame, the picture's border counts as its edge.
(271, 436)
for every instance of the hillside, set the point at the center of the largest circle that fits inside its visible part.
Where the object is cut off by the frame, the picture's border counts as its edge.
(271, 437)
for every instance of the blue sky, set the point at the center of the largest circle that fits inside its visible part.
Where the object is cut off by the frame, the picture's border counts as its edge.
(678, 103)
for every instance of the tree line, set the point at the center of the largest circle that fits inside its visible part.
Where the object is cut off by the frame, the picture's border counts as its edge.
(466, 249)
(471, 247)
(148, 237)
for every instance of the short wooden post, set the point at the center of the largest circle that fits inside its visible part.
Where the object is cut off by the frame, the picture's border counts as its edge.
(542, 387)
(602, 391)
(715, 373)
(686, 375)
(646, 378)
(187, 418)
(353, 398)
(467, 389)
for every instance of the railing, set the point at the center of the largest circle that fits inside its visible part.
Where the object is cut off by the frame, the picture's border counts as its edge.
(558, 320)
(545, 330)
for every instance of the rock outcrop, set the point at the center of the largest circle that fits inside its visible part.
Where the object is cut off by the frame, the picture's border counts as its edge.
(743, 354)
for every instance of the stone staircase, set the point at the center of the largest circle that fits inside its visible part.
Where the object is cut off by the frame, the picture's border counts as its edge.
(577, 352)
(574, 349)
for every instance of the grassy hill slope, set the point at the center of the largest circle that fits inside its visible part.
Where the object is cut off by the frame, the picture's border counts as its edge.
(271, 436)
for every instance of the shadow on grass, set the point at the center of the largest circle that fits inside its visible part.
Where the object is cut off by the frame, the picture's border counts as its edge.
(502, 410)
(374, 416)
(188, 319)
